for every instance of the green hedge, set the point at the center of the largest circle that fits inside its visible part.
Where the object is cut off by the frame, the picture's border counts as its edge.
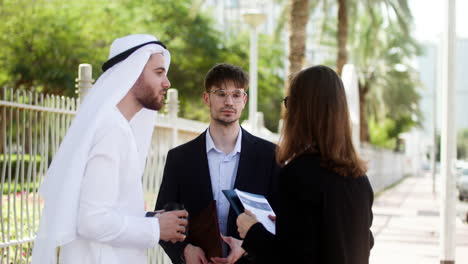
(16, 161)
(32, 187)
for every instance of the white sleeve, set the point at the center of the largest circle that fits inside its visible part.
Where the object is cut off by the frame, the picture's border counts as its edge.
(98, 218)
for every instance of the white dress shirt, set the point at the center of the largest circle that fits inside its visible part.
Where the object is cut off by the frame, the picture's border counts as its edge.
(223, 170)
(111, 224)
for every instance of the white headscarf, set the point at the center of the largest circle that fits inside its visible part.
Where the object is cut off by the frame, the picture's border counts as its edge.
(62, 184)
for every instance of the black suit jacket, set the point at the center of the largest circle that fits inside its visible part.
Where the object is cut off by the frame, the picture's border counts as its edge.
(187, 180)
(323, 218)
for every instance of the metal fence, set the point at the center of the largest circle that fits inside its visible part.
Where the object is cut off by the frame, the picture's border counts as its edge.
(32, 126)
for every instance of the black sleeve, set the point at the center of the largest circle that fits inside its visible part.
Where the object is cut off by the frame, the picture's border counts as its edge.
(297, 225)
(168, 192)
(259, 244)
(299, 228)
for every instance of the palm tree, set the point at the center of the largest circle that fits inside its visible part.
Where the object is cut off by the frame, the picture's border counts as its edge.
(297, 18)
(362, 27)
(297, 14)
(381, 48)
(342, 35)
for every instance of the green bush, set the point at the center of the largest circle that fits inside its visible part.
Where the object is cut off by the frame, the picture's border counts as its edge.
(17, 161)
(21, 187)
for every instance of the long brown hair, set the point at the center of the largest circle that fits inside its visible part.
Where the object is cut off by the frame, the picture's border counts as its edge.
(317, 120)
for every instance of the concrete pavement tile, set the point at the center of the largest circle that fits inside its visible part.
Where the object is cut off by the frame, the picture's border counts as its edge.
(406, 225)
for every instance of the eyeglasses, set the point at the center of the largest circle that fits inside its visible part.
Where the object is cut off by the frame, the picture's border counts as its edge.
(236, 95)
(285, 101)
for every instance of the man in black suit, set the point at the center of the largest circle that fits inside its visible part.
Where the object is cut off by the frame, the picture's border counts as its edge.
(225, 156)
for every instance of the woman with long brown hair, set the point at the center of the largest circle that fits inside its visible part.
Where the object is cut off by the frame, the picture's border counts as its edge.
(325, 201)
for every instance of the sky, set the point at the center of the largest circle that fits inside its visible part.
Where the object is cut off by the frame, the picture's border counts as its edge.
(428, 19)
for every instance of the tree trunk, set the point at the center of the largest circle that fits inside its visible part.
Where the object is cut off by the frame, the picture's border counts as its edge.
(342, 35)
(298, 18)
(363, 125)
(397, 144)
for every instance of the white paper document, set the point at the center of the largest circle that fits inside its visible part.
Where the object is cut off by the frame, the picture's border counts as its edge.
(259, 206)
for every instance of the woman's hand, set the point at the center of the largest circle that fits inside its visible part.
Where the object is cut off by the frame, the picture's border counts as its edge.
(244, 222)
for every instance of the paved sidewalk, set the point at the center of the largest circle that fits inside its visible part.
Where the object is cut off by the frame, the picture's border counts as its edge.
(406, 225)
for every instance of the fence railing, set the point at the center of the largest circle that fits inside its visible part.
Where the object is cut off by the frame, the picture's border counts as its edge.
(32, 126)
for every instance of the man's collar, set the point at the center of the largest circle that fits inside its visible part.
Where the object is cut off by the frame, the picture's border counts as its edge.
(209, 142)
(211, 145)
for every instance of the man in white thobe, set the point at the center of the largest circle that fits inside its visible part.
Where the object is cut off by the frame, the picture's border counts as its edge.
(94, 207)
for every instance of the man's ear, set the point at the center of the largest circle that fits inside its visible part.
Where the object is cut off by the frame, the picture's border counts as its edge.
(206, 98)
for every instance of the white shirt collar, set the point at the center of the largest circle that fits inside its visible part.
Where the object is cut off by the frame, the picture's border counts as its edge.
(211, 145)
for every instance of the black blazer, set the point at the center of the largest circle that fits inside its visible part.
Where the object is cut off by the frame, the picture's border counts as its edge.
(186, 180)
(323, 218)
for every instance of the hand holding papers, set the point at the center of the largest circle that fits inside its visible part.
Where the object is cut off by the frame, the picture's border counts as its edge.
(257, 204)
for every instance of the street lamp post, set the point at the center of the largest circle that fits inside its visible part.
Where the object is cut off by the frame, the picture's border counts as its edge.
(448, 137)
(254, 18)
